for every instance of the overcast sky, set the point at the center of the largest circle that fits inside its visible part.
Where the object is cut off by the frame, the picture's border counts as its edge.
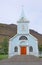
(10, 12)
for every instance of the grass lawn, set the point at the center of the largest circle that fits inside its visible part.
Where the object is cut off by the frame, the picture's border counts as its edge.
(3, 57)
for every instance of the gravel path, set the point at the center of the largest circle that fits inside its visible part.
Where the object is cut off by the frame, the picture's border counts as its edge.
(22, 63)
(22, 60)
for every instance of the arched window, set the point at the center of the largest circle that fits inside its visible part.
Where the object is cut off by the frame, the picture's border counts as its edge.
(23, 38)
(16, 49)
(31, 49)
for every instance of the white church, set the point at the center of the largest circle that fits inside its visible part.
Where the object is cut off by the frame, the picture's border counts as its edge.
(23, 43)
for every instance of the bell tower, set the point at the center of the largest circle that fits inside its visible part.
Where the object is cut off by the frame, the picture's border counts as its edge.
(23, 24)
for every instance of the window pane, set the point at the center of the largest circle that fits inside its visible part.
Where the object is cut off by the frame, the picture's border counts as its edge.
(30, 49)
(23, 38)
(16, 49)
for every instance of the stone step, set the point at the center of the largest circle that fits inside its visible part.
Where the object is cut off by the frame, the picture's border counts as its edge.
(23, 58)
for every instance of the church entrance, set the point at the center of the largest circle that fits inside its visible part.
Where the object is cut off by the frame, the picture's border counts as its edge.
(23, 50)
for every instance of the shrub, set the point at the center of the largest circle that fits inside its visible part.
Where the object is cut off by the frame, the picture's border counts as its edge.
(40, 47)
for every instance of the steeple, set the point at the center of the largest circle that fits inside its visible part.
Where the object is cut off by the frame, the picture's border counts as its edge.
(23, 18)
(22, 13)
(23, 23)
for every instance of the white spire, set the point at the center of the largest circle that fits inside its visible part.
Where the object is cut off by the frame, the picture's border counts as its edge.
(23, 18)
(22, 13)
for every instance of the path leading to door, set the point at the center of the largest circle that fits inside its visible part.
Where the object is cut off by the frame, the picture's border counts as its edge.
(22, 60)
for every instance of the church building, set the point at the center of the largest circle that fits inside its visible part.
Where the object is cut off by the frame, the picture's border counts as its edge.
(23, 43)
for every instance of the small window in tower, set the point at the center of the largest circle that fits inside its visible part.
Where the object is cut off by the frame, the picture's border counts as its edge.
(31, 49)
(23, 38)
(16, 49)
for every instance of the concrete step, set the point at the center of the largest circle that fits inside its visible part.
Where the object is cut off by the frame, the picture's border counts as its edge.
(24, 58)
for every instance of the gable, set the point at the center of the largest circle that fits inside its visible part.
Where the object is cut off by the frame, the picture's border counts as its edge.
(13, 37)
(33, 37)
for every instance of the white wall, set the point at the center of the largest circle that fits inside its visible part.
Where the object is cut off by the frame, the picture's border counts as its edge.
(16, 42)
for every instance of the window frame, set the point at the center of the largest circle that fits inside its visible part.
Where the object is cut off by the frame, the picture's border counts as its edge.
(23, 38)
(30, 49)
(16, 49)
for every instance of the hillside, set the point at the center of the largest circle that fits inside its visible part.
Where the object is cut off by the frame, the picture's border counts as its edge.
(7, 31)
(10, 30)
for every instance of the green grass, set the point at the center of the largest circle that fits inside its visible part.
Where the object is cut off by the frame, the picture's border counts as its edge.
(3, 57)
(40, 57)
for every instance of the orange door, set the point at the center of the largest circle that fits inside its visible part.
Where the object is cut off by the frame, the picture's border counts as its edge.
(23, 50)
